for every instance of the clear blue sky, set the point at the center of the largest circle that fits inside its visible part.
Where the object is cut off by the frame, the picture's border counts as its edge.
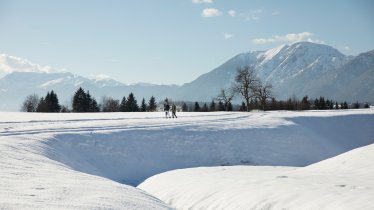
(172, 41)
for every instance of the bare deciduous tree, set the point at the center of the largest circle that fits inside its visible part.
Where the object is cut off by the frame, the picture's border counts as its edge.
(226, 97)
(245, 84)
(110, 105)
(263, 93)
(30, 104)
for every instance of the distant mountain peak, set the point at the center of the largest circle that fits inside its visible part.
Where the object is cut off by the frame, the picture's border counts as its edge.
(298, 69)
(269, 54)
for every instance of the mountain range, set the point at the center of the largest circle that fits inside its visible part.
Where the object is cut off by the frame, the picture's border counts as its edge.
(295, 70)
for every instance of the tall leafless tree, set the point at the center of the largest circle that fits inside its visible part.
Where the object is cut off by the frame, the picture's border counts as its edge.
(226, 97)
(246, 83)
(263, 93)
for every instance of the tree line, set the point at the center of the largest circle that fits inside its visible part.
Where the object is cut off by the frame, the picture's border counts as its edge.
(258, 95)
(254, 94)
(84, 102)
(291, 104)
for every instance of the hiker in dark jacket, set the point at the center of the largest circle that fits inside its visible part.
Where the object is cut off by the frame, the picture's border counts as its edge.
(167, 108)
(174, 110)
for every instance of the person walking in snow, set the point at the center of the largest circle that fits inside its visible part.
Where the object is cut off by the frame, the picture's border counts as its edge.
(167, 108)
(174, 110)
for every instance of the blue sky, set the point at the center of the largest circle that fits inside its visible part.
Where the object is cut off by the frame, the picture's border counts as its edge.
(172, 41)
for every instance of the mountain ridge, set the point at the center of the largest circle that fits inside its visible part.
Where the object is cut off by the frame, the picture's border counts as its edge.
(303, 68)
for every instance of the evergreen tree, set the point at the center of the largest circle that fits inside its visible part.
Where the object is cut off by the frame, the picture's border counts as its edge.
(89, 101)
(331, 104)
(94, 107)
(345, 105)
(336, 105)
(242, 107)
(42, 106)
(64, 109)
(322, 103)
(152, 106)
(143, 107)
(229, 107)
(122, 106)
(356, 105)
(205, 108)
(53, 103)
(184, 107)
(316, 104)
(80, 102)
(131, 104)
(49, 103)
(212, 106)
(197, 107)
(328, 104)
(305, 104)
(366, 106)
(221, 106)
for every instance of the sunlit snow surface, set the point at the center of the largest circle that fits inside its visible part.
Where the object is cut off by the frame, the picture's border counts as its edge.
(80, 160)
(343, 182)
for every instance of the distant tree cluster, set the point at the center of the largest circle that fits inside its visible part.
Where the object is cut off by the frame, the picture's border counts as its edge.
(252, 90)
(292, 104)
(258, 95)
(83, 102)
(255, 94)
(306, 104)
(49, 103)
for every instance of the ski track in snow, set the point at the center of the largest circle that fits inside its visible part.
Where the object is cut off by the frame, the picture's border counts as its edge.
(78, 160)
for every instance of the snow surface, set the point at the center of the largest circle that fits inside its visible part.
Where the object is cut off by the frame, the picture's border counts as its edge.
(79, 160)
(342, 182)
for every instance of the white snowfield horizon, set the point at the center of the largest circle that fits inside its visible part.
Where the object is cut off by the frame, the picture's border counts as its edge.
(89, 160)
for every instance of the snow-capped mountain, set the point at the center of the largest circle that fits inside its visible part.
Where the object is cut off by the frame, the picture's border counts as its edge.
(299, 69)
(354, 80)
(290, 69)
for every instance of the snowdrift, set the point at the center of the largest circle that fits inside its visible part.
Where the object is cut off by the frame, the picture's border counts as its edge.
(79, 160)
(131, 150)
(31, 180)
(342, 182)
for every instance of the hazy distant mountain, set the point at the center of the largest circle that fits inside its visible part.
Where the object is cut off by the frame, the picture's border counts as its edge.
(299, 69)
(15, 86)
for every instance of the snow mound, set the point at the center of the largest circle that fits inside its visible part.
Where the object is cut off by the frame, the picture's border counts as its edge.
(342, 182)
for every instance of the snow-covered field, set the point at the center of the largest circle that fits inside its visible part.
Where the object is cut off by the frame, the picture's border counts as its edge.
(343, 182)
(86, 160)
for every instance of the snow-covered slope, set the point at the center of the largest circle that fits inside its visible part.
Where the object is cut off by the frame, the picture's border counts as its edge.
(77, 160)
(208, 85)
(342, 182)
(291, 69)
(31, 180)
(353, 80)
